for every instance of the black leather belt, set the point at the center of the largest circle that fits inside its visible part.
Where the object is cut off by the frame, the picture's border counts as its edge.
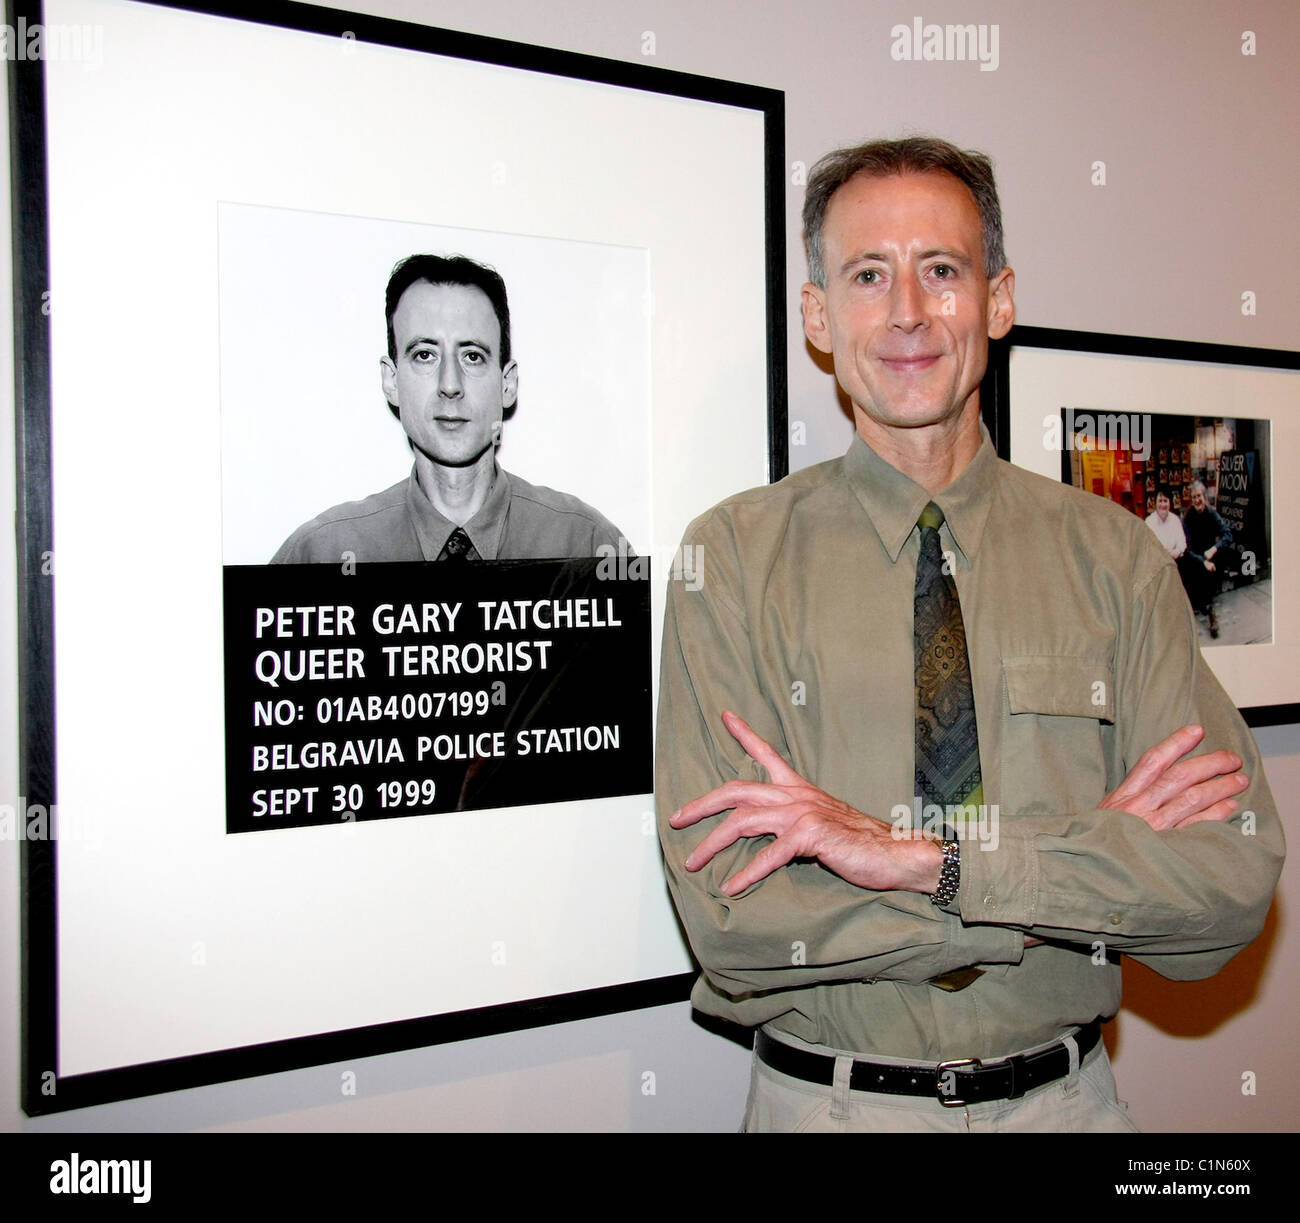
(964, 1081)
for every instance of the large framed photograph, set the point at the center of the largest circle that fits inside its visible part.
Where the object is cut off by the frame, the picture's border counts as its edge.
(368, 376)
(1197, 440)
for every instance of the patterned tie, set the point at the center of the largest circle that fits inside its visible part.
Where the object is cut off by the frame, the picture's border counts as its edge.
(947, 746)
(458, 548)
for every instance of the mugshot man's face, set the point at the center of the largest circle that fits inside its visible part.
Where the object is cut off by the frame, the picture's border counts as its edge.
(446, 381)
(907, 311)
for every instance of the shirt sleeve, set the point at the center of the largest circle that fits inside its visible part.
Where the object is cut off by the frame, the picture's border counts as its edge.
(1182, 901)
(1222, 535)
(1224, 538)
(803, 924)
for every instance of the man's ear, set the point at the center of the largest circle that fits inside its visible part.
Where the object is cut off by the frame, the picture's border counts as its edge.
(388, 379)
(1002, 303)
(509, 385)
(816, 318)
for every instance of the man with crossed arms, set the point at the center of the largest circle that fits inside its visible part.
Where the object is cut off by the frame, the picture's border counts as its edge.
(823, 684)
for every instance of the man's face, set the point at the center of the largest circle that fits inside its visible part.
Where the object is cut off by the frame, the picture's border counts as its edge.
(907, 311)
(447, 382)
(1162, 506)
(1198, 499)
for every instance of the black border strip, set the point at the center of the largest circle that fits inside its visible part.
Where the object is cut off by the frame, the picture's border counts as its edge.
(480, 48)
(299, 1052)
(34, 524)
(1148, 346)
(995, 404)
(34, 527)
(778, 426)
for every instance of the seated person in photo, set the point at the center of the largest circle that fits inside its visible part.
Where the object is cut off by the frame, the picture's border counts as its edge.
(449, 378)
(1168, 527)
(1208, 557)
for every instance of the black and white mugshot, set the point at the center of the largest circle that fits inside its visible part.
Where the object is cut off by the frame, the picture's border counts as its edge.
(450, 379)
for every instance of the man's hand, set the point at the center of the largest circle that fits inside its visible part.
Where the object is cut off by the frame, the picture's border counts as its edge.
(807, 823)
(1168, 791)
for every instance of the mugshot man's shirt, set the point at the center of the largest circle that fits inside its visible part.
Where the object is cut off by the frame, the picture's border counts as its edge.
(1083, 655)
(518, 521)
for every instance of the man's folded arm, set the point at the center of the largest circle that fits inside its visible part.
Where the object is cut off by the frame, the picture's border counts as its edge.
(1182, 900)
(802, 924)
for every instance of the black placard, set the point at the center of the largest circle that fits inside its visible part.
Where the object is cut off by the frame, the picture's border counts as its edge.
(406, 689)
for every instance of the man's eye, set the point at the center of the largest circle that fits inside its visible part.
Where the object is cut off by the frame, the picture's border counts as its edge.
(868, 276)
(943, 270)
(472, 357)
(422, 356)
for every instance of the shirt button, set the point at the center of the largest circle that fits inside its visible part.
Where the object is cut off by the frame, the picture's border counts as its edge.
(1116, 919)
(990, 899)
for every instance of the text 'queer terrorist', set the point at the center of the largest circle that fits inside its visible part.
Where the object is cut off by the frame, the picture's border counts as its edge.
(404, 689)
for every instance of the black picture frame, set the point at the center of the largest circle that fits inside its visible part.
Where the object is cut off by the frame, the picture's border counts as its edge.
(46, 1087)
(1004, 413)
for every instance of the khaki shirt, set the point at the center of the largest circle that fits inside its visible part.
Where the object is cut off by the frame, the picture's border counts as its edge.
(1083, 655)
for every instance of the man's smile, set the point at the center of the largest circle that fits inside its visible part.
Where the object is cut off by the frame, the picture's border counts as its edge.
(910, 364)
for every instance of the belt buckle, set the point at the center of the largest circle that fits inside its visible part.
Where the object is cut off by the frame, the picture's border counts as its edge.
(945, 1080)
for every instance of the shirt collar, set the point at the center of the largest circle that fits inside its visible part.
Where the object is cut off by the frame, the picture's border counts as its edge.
(894, 502)
(485, 529)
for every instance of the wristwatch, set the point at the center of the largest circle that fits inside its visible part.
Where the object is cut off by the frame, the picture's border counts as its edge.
(949, 873)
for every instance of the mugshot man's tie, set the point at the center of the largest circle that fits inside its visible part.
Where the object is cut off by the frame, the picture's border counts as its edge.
(458, 548)
(947, 746)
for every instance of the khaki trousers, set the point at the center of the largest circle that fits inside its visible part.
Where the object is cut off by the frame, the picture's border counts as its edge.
(1082, 1102)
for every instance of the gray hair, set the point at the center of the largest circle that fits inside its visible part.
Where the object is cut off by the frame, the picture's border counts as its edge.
(885, 158)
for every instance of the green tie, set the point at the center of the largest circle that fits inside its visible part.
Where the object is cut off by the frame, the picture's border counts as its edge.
(947, 745)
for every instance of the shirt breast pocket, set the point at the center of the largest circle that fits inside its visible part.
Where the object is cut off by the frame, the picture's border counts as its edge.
(1059, 711)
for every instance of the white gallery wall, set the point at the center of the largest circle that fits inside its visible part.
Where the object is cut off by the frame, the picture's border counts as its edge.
(1197, 208)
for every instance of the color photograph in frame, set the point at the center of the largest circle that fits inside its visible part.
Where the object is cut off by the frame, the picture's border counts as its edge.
(1096, 411)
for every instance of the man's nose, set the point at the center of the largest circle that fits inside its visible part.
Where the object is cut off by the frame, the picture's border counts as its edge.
(449, 381)
(907, 303)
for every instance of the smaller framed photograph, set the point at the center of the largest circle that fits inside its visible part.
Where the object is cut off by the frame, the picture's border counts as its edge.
(1197, 440)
